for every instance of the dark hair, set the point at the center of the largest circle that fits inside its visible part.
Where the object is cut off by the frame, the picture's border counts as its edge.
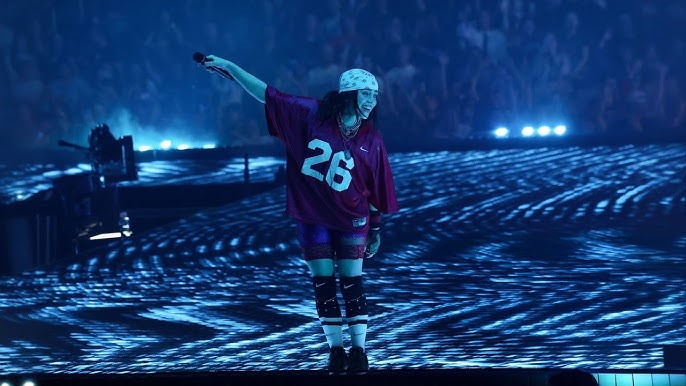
(334, 103)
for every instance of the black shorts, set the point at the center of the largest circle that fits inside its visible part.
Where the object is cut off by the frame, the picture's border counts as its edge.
(318, 242)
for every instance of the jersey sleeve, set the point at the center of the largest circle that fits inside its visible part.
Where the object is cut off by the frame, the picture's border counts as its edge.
(383, 195)
(286, 114)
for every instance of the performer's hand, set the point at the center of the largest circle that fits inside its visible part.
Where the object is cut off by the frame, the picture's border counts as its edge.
(373, 242)
(215, 61)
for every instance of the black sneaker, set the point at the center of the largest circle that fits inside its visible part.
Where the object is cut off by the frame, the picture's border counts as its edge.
(357, 361)
(338, 360)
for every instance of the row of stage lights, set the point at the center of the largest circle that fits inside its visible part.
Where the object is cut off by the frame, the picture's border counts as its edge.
(530, 131)
(23, 383)
(167, 145)
(500, 132)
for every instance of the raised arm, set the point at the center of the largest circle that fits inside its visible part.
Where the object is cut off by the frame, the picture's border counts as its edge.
(249, 82)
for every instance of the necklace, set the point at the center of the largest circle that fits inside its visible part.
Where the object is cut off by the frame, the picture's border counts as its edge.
(347, 133)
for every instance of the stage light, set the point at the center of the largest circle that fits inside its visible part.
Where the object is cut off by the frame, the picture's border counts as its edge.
(106, 236)
(560, 129)
(124, 229)
(144, 148)
(528, 131)
(166, 144)
(208, 146)
(501, 132)
(183, 147)
(543, 131)
(5, 384)
(28, 383)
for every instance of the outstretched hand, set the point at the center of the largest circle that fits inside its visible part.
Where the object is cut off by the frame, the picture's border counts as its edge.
(215, 61)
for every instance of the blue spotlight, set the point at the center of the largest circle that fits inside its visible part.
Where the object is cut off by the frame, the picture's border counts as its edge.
(528, 131)
(183, 147)
(501, 132)
(144, 148)
(543, 131)
(166, 144)
(560, 129)
(208, 146)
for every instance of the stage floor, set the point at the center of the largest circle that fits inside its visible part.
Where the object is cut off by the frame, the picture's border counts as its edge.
(539, 258)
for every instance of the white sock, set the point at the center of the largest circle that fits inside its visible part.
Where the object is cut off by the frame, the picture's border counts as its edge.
(334, 335)
(358, 334)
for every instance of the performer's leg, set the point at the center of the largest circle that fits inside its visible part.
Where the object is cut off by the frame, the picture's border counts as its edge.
(350, 250)
(318, 252)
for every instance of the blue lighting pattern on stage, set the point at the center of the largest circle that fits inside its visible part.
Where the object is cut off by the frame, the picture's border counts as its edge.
(503, 258)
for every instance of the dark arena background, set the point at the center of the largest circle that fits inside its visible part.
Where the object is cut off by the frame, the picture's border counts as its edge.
(538, 151)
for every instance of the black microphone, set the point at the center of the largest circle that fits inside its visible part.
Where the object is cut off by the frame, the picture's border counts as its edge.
(200, 58)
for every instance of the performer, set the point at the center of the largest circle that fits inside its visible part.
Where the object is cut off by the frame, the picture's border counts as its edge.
(338, 182)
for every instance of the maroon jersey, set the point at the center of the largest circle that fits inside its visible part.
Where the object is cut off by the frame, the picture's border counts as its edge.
(324, 186)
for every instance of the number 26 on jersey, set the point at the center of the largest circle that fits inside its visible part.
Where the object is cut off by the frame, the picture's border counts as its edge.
(335, 168)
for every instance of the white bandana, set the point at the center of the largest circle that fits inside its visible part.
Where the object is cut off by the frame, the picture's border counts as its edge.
(357, 79)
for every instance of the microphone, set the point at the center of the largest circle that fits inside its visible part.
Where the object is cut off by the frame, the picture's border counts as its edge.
(200, 58)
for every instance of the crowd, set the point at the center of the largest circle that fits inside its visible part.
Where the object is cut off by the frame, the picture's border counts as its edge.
(448, 70)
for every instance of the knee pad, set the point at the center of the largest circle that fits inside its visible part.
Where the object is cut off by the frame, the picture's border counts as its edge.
(325, 296)
(353, 293)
